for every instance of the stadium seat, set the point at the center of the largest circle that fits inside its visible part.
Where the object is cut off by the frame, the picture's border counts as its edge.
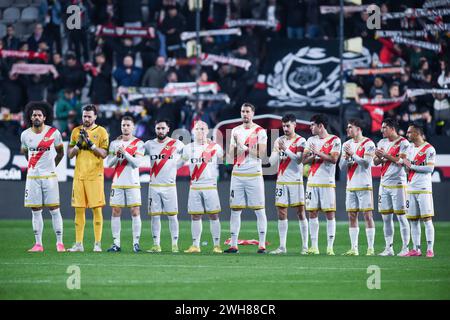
(2, 30)
(30, 14)
(22, 3)
(5, 3)
(11, 15)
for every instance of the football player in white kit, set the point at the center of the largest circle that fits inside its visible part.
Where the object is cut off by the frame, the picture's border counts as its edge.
(322, 151)
(357, 157)
(41, 188)
(202, 157)
(390, 153)
(247, 147)
(164, 153)
(419, 205)
(125, 155)
(287, 154)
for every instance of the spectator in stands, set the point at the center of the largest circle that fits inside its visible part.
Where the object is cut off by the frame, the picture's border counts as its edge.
(295, 18)
(172, 26)
(101, 84)
(14, 93)
(73, 76)
(36, 37)
(68, 112)
(122, 48)
(149, 49)
(128, 75)
(55, 85)
(441, 108)
(10, 41)
(155, 77)
(52, 11)
(379, 87)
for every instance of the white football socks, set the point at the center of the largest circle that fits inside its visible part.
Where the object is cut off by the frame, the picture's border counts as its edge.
(174, 229)
(196, 231)
(136, 228)
(115, 228)
(304, 232)
(57, 223)
(354, 233)
(214, 227)
(429, 234)
(416, 233)
(404, 230)
(156, 230)
(314, 232)
(388, 229)
(261, 221)
(282, 231)
(370, 234)
(38, 225)
(235, 226)
(331, 232)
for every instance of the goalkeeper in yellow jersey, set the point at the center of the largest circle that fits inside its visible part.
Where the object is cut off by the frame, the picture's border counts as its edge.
(89, 144)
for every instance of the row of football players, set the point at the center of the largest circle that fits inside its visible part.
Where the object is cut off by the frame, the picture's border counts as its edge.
(291, 151)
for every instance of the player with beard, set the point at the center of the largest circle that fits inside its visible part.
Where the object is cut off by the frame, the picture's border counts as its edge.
(89, 144)
(125, 155)
(247, 147)
(419, 205)
(289, 192)
(41, 188)
(164, 153)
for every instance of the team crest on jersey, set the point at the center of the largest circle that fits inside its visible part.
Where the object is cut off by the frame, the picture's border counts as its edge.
(326, 145)
(421, 154)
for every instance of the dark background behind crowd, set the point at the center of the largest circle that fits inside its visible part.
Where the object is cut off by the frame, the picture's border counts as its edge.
(90, 68)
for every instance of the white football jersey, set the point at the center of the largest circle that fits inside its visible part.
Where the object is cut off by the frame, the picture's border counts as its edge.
(202, 161)
(163, 159)
(288, 169)
(244, 163)
(322, 173)
(359, 177)
(392, 173)
(41, 161)
(424, 155)
(124, 174)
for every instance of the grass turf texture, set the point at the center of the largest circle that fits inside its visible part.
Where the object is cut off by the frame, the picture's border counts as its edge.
(127, 275)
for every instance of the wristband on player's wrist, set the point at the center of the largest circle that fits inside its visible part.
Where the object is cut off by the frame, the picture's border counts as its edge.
(92, 146)
(78, 145)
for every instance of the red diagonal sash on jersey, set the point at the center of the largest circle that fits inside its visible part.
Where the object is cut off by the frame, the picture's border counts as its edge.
(45, 143)
(167, 152)
(131, 149)
(251, 141)
(207, 154)
(392, 152)
(418, 160)
(360, 153)
(326, 148)
(285, 162)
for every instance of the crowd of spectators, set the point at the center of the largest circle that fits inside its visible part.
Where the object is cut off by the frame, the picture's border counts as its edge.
(90, 67)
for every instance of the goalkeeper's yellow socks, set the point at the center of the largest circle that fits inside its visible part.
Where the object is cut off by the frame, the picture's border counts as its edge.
(98, 224)
(80, 221)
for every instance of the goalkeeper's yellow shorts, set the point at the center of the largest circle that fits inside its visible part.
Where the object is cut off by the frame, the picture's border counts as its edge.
(88, 193)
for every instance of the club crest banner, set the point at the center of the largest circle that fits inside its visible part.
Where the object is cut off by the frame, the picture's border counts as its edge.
(305, 74)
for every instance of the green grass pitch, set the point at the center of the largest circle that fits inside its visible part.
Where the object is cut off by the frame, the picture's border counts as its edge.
(166, 276)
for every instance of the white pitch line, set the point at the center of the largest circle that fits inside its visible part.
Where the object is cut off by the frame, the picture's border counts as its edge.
(205, 266)
(146, 281)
